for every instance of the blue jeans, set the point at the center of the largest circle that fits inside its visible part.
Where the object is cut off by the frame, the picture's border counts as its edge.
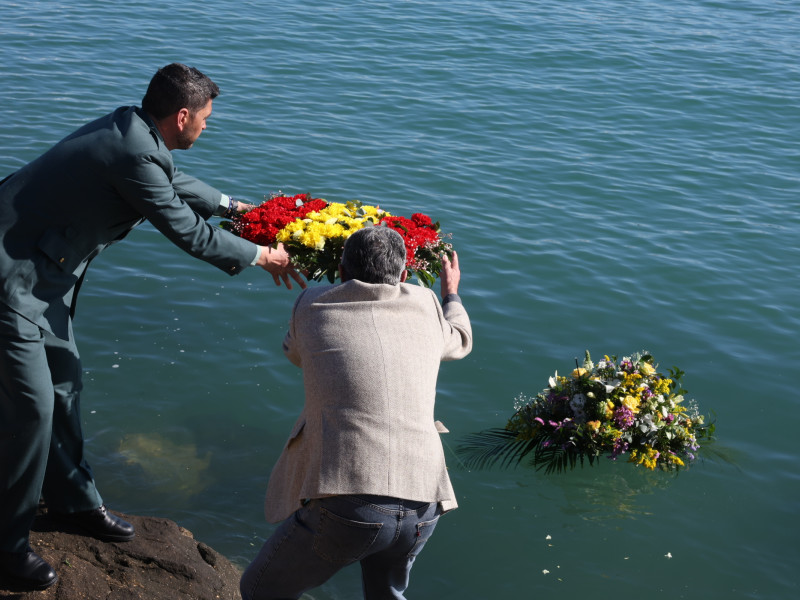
(327, 534)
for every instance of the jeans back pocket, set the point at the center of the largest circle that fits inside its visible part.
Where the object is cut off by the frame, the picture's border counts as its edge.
(342, 541)
(424, 532)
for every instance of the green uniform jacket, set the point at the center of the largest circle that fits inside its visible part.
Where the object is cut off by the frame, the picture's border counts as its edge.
(88, 191)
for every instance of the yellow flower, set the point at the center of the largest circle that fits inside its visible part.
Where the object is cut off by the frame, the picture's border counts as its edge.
(662, 386)
(336, 209)
(313, 238)
(631, 403)
(330, 230)
(594, 426)
(609, 412)
(578, 373)
(675, 459)
(647, 457)
(631, 379)
(647, 369)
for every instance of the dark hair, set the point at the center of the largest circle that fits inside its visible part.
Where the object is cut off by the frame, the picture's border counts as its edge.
(177, 86)
(374, 255)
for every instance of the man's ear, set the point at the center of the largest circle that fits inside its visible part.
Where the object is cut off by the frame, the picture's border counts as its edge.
(182, 118)
(403, 275)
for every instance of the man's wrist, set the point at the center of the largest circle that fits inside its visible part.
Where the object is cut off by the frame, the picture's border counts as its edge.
(233, 208)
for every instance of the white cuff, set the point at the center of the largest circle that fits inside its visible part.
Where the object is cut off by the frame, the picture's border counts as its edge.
(258, 255)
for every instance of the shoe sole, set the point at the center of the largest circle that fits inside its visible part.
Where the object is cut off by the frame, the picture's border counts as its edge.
(107, 538)
(27, 584)
(62, 520)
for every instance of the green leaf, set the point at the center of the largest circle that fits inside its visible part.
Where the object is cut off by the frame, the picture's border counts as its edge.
(491, 446)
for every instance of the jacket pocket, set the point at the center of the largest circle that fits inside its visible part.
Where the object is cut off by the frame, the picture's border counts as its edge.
(58, 249)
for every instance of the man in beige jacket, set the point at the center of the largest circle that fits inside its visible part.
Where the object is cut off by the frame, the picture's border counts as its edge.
(362, 477)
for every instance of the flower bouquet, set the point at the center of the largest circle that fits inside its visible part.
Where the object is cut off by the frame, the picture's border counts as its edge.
(313, 231)
(612, 408)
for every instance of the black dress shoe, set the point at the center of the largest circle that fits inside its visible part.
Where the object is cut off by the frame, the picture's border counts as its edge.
(99, 523)
(27, 570)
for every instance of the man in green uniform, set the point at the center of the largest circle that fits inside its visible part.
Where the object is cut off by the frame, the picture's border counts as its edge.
(56, 214)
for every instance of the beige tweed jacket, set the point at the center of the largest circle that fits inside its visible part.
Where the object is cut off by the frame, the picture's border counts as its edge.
(370, 356)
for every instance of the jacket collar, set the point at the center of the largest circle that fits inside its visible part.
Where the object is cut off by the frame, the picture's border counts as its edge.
(144, 116)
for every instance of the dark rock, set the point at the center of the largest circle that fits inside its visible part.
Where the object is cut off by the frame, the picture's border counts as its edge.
(163, 561)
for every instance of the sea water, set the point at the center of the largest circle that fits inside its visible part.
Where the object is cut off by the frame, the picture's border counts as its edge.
(616, 176)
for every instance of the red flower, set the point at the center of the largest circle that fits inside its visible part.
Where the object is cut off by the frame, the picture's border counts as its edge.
(418, 231)
(421, 220)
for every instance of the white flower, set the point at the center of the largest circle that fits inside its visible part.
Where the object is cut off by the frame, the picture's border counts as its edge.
(646, 424)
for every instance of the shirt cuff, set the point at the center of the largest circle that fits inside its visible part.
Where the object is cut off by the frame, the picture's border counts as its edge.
(451, 298)
(258, 255)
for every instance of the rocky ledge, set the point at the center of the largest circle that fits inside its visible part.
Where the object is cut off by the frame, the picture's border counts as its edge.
(163, 561)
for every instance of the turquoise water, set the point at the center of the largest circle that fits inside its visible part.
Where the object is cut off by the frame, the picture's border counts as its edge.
(617, 176)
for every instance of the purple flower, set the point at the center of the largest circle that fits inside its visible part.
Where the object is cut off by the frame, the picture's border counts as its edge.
(620, 447)
(623, 417)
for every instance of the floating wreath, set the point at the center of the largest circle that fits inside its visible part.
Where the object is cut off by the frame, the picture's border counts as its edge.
(610, 408)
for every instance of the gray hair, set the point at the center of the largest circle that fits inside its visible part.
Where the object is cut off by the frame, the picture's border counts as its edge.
(374, 255)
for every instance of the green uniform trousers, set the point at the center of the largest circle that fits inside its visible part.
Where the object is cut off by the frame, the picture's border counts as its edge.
(41, 442)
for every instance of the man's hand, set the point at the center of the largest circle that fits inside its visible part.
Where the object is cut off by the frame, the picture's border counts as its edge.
(450, 275)
(276, 262)
(244, 207)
